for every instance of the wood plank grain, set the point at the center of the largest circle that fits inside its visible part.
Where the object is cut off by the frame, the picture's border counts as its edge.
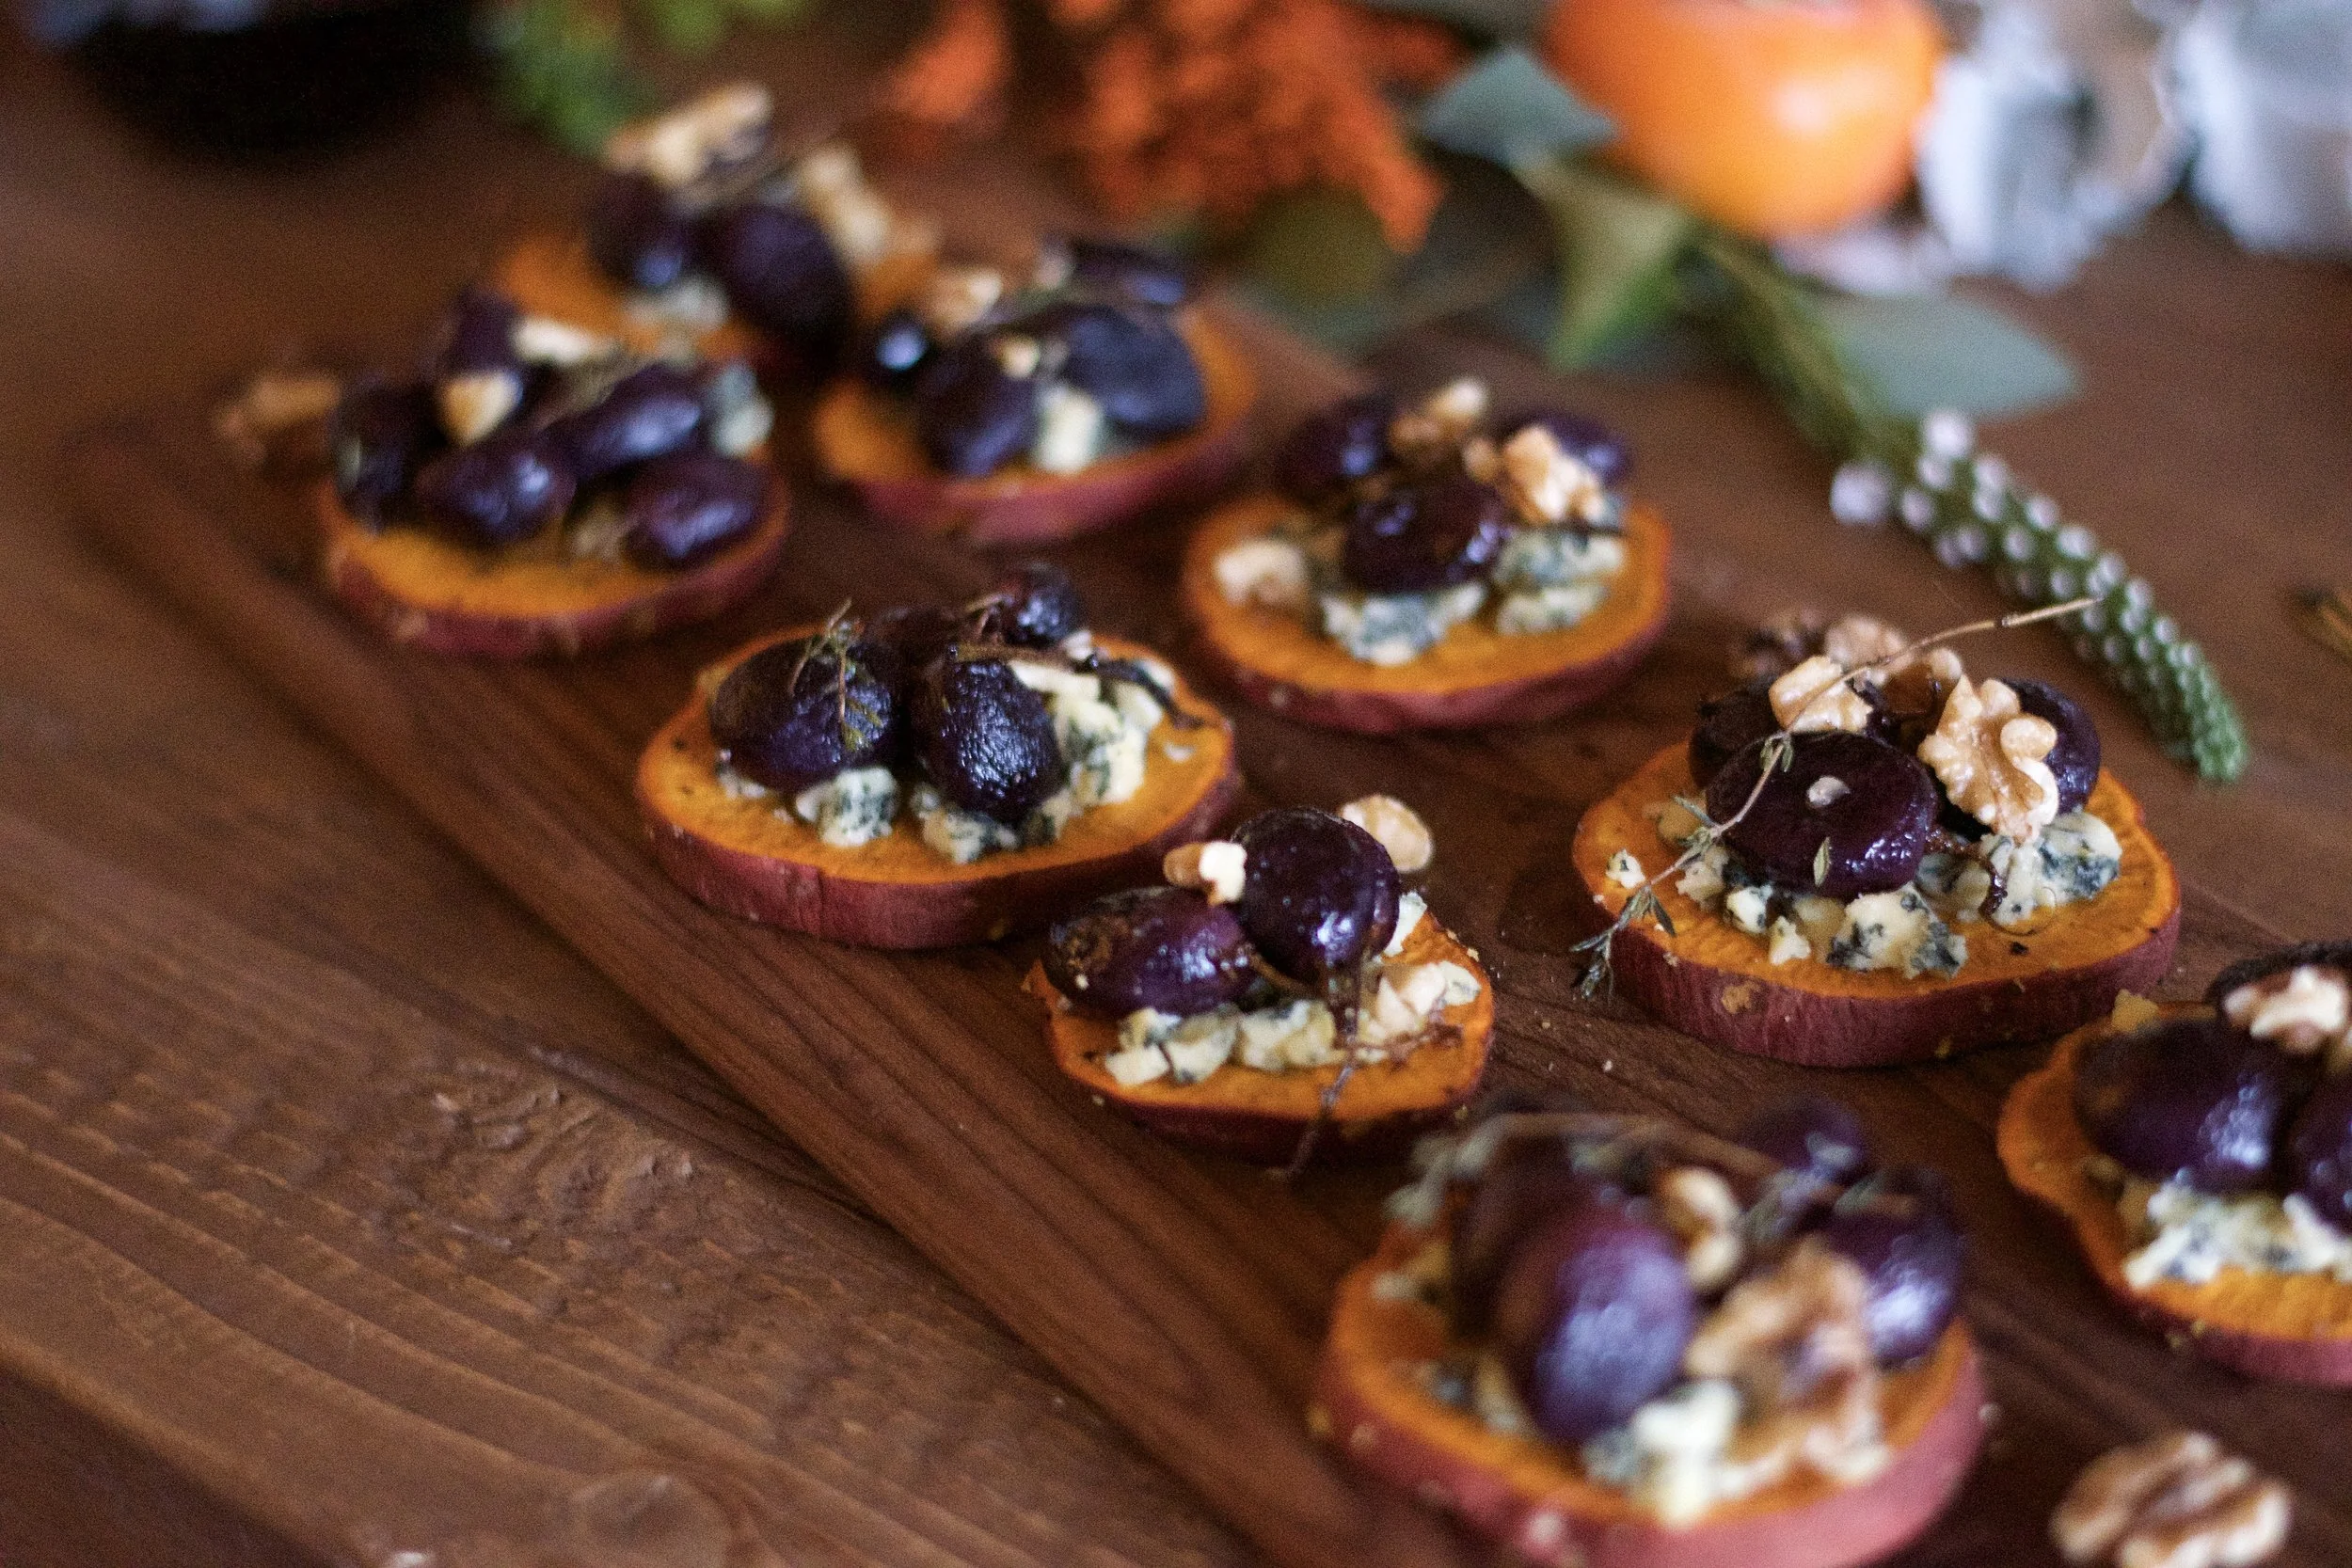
(1184, 1295)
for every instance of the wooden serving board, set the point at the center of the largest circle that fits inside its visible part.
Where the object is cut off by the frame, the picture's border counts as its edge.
(1183, 1294)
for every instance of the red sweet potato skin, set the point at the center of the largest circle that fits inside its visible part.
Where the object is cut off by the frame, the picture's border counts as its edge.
(1540, 1516)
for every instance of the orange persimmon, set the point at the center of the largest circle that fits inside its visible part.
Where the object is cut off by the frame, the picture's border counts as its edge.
(1774, 117)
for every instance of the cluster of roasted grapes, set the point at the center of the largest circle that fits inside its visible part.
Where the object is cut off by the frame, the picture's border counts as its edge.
(1560, 1260)
(769, 257)
(2192, 1099)
(640, 436)
(1105, 328)
(924, 689)
(1414, 531)
(1319, 898)
(1887, 811)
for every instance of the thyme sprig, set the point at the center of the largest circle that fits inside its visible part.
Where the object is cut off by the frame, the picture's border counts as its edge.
(1779, 749)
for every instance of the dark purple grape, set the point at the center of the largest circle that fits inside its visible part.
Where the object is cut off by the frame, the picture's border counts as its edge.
(1595, 444)
(971, 415)
(1333, 448)
(1160, 947)
(2324, 954)
(986, 739)
(2319, 1151)
(1899, 1227)
(500, 489)
(894, 351)
(1320, 893)
(1877, 830)
(651, 412)
(798, 712)
(1810, 1134)
(1134, 362)
(1426, 535)
(477, 334)
(1527, 1181)
(637, 235)
(913, 635)
(683, 507)
(1106, 267)
(1728, 726)
(2075, 760)
(377, 439)
(1037, 606)
(2189, 1098)
(782, 275)
(1592, 1317)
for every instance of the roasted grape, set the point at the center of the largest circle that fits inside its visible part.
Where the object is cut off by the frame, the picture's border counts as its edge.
(798, 712)
(1134, 362)
(1333, 448)
(500, 489)
(1161, 947)
(379, 437)
(1592, 1317)
(1871, 805)
(2319, 1151)
(986, 739)
(912, 636)
(2075, 760)
(782, 275)
(972, 414)
(477, 335)
(651, 412)
(2325, 955)
(1728, 726)
(636, 233)
(895, 351)
(1037, 606)
(2187, 1098)
(1425, 535)
(1596, 445)
(1899, 1229)
(1526, 1182)
(1321, 894)
(1106, 267)
(1818, 1137)
(683, 507)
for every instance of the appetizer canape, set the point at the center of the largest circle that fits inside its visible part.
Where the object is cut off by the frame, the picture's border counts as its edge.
(1026, 410)
(1610, 1343)
(701, 229)
(543, 489)
(1426, 567)
(1283, 992)
(2203, 1156)
(935, 775)
(1869, 857)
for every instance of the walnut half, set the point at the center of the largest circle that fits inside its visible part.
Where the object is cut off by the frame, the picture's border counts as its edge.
(2303, 1011)
(2179, 1500)
(1989, 753)
(1816, 695)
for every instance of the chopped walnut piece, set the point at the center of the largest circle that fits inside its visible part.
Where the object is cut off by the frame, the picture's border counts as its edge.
(2302, 1011)
(1816, 696)
(2179, 1500)
(1795, 1341)
(1543, 484)
(1922, 683)
(1217, 867)
(1855, 641)
(726, 125)
(1989, 753)
(958, 298)
(275, 406)
(1443, 421)
(1481, 460)
(1700, 1207)
(1397, 826)
(1265, 571)
(1778, 646)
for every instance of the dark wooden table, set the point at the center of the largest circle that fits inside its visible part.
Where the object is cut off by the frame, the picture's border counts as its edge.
(346, 1214)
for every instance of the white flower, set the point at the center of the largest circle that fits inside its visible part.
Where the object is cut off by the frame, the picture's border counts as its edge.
(2267, 84)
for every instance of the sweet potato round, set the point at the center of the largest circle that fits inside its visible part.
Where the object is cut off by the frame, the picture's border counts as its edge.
(1263, 1115)
(1474, 677)
(1520, 1492)
(552, 274)
(864, 440)
(745, 858)
(2295, 1327)
(433, 592)
(1714, 982)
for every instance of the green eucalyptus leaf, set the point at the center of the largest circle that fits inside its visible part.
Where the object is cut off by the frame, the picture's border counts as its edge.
(1618, 244)
(1510, 110)
(1946, 352)
(1317, 248)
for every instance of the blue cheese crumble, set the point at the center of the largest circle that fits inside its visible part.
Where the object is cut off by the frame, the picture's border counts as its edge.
(854, 807)
(2182, 1234)
(1396, 628)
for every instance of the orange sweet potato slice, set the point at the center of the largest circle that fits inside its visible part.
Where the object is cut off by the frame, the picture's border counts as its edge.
(1713, 981)
(552, 274)
(1263, 1115)
(1524, 1492)
(2297, 1327)
(1475, 675)
(865, 440)
(748, 858)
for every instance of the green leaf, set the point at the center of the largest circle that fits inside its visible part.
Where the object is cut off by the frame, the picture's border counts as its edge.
(1318, 247)
(1511, 111)
(1618, 244)
(1946, 352)
(688, 27)
(773, 13)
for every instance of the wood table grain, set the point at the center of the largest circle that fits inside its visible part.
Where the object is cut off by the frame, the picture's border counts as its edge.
(349, 1215)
